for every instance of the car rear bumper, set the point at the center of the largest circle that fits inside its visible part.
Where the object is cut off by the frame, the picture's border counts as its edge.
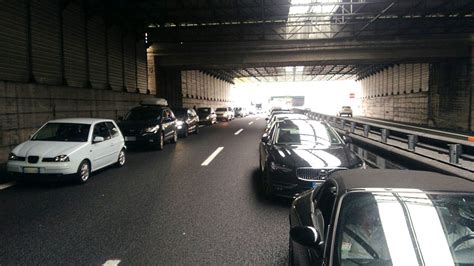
(142, 140)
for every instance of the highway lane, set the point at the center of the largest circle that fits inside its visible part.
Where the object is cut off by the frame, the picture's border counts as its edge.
(163, 207)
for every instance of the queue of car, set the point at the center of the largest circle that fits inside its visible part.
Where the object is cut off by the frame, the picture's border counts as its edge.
(76, 147)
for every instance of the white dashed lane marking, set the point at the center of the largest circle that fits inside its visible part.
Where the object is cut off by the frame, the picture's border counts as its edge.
(212, 156)
(111, 263)
(238, 131)
(6, 185)
(251, 122)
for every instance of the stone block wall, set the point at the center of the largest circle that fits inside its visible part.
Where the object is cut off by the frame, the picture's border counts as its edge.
(25, 107)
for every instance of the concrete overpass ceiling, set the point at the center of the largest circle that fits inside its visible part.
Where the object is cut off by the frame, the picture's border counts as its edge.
(282, 40)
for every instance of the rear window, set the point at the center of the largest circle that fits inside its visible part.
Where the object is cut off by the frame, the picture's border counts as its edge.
(143, 113)
(203, 110)
(221, 109)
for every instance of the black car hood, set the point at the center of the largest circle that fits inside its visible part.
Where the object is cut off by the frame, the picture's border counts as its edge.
(298, 156)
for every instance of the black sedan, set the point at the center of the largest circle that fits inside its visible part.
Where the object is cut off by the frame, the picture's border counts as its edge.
(384, 217)
(150, 126)
(297, 155)
(187, 121)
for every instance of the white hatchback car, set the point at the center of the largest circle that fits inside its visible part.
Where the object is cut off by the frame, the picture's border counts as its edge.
(76, 146)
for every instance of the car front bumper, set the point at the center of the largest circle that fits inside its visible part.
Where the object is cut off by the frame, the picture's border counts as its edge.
(286, 184)
(41, 168)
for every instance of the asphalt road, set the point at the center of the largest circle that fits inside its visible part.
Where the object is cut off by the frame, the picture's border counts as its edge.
(162, 207)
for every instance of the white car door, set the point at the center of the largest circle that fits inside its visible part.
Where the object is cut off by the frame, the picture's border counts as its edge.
(101, 150)
(116, 142)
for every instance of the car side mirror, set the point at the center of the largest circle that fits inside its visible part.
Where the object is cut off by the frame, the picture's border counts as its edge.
(98, 139)
(304, 235)
(347, 139)
(265, 137)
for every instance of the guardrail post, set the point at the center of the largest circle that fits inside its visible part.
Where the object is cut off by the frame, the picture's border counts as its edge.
(366, 131)
(343, 124)
(353, 127)
(384, 135)
(412, 141)
(455, 151)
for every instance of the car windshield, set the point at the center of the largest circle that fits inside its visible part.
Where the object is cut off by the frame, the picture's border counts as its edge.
(143, 113)
(180, 113)
(203, 110)
(405, 228)
(305, 132)
(221, 109)
(63, 132)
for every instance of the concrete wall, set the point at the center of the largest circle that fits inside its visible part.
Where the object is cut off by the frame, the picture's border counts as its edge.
(25, 107)
(437, 94)
(451, 95)
(397, 93)
(201, 90)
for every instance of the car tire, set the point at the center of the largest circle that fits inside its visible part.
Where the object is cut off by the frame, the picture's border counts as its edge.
(290, 253)
(266, 186)
(175, 137)
(185, 133)
(161, 143)
(83, 172)
(121, 158)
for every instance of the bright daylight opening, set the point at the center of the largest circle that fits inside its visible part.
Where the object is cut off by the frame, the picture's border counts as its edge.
(320, 96)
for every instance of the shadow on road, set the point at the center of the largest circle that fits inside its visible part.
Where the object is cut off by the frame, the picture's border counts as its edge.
(257, 189)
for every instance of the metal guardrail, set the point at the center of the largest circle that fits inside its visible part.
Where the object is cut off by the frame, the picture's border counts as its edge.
(454, 148)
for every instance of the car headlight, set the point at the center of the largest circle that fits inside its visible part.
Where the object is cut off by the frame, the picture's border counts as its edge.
(61, 158)
(179, 123)
(152, 129)
(279, 167)
(12, 157)
(360, 166)
(207, 117)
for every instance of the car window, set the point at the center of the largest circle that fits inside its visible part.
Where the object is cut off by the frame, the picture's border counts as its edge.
(101, 130)
(143, 113)
(305, 132)
(114, 132)
(384, 228)
(221, 109)
(63, 132)
(325, 202)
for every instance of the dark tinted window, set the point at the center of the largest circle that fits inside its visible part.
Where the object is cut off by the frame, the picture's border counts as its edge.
(143, 113)
(204, 110)
(63, 132)
(221, 109)
(179, 112)
(101, 130)
(112, 129)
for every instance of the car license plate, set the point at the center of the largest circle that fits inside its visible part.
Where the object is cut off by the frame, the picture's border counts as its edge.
(127, 138)
(30, 170)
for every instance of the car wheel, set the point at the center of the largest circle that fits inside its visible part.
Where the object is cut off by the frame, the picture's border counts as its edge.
(266, 186)
(161, 143)
(121, 158)
(83, 172)
(185, 133)
(175, 137)
(291, 260)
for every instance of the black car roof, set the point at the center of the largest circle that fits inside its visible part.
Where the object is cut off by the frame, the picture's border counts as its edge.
(400, 179)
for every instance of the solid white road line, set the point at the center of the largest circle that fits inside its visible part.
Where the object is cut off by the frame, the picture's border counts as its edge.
(238, 131)
(212, 156)
(112, 263)
(6, 185)
(251, 122)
